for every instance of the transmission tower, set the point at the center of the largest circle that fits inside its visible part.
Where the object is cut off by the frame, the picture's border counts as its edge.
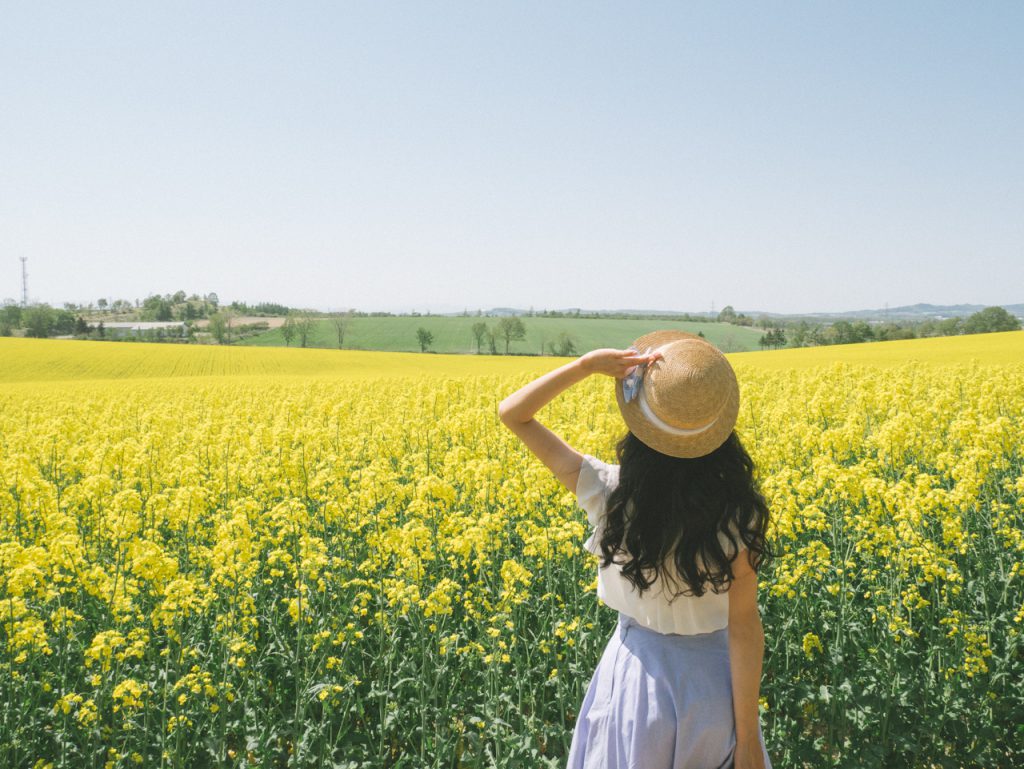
(24, 282)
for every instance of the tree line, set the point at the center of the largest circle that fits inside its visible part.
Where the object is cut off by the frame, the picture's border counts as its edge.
(804, 334)
(80, 321)
(507, 329)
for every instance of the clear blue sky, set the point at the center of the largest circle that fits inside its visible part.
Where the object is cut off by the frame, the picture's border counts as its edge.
(788, 157)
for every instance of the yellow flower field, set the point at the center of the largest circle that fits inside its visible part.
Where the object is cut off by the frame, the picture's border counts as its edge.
(266, 557)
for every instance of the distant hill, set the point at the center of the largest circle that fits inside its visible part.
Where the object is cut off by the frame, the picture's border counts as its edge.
(907, 312)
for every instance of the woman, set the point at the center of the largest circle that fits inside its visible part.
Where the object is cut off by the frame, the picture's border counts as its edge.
(679, 526)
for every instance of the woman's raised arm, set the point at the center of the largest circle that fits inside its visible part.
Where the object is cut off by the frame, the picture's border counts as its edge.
(517, 410)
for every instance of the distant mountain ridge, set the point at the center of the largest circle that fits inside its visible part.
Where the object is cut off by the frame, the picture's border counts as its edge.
(920, 311)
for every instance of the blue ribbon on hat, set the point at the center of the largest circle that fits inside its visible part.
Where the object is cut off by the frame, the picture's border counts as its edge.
(634, 378)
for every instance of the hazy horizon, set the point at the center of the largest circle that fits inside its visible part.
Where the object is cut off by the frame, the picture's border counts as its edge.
(793, 159)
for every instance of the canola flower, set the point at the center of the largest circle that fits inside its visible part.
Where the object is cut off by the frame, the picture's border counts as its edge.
(280, 560)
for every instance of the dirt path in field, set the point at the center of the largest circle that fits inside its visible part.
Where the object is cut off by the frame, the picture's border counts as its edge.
(272, 322)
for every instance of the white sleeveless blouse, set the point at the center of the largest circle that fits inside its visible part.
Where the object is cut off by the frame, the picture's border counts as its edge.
(685, 615)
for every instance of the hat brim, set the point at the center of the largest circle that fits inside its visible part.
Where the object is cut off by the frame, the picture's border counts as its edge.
(684, 446)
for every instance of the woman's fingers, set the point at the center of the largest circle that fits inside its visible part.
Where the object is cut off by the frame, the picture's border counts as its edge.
(625, 365)
(636, 358)
(620, 363)
(628, 363)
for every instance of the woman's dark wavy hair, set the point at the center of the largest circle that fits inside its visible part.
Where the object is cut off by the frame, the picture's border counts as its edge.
(680, 507)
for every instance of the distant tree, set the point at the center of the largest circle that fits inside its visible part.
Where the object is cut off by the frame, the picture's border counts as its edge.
(729, 344)
(989, 320)
(166, 311)
(799, 334)
(304, 327)
(341, 325)
(81, 327)
(492, 342)
(891, 331)
(39, 320)
(511, 328)
(841, 332)
(270, 308)
(187, 311)
(213, 299)
(218, 326)
(479, 332)
(10, 318)
(229, 318)
(844, 332)
(727, 314)
(774, 338)
(101, 331)
(425, 338)
(101, 303)
(565, 346)
(178, 298)
(862, 332)
(951, 326)
(156, 307)
(288, 329)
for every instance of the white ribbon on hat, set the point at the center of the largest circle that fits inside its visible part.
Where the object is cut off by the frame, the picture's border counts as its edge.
(661, 425)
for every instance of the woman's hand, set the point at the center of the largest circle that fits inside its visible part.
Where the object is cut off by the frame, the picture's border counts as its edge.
(748, 755)
(615, 363)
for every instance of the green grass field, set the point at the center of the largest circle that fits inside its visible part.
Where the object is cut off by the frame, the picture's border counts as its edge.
(455, 335)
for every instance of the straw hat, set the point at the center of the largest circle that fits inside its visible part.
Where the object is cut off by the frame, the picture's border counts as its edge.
(684, 404)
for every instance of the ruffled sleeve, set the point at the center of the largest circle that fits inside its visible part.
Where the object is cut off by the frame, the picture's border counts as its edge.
(728, 547)
(596, 482)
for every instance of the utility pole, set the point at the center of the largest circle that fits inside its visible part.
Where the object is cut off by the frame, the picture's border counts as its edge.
(24, 282)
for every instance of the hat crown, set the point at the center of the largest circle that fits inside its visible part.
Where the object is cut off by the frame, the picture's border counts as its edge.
(687, 400)
(690, 385)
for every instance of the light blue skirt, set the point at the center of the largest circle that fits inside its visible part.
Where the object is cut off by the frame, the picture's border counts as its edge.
(658, 701)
